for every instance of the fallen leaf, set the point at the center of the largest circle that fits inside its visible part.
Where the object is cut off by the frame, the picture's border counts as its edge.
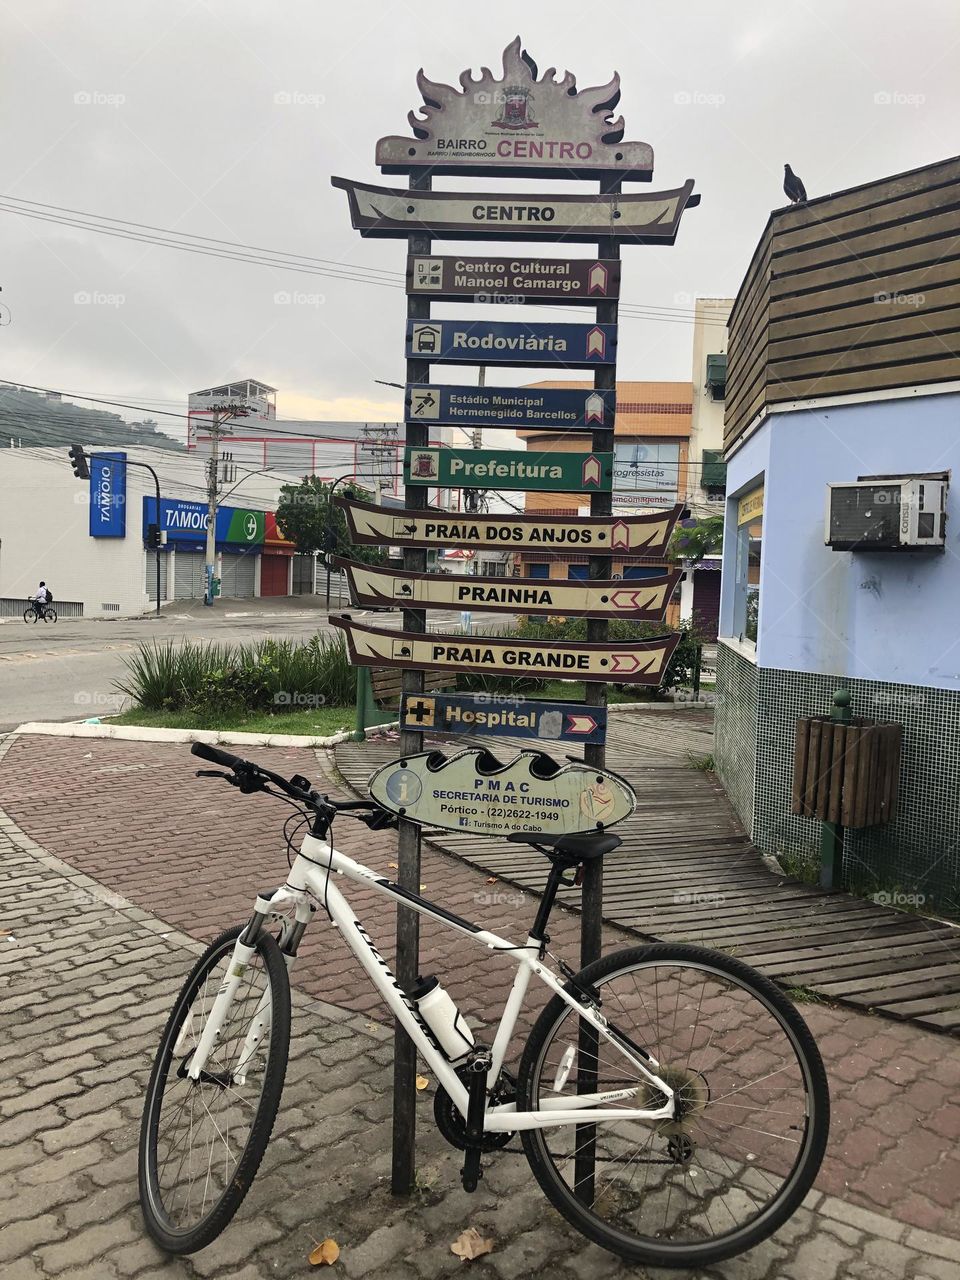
(325, 1254)
(492, 880)
(422, 1083)
(422, 887)
(471, 1244)
(394, 866)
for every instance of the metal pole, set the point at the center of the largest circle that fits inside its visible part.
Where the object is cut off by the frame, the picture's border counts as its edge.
(212, 478)
(591, 901)
(408, 844)
(831, 834)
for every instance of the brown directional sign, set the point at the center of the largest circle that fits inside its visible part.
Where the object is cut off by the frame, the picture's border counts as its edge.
(645, 534)
(621, 662)
(479, 278)
(641, 599)
(643, 217)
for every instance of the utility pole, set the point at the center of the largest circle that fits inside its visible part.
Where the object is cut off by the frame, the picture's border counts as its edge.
(221, 415)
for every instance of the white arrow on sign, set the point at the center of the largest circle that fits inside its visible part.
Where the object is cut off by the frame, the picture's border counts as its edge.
(594, 411)
(596, 343)
(597, 279)
(580, 724)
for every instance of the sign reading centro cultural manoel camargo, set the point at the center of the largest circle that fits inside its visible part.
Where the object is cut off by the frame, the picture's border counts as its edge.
(484, 279)
(505, 469)
(473, 790)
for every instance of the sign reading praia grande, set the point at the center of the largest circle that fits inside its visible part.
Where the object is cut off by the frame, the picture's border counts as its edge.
(502, 716)
(510, 407)
(624, 662)
(483, 279)
(489, 342)
(505, 469)
(647, 533)
(640, 600)
(473, 790)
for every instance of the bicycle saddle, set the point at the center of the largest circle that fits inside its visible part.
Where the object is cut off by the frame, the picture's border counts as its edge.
(582, 847)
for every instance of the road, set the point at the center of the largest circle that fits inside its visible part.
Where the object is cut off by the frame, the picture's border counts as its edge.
(66, 670)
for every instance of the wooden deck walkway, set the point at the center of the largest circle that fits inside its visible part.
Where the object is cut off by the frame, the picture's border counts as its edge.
(687, 872)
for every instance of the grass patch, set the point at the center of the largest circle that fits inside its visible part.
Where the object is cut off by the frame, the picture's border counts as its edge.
(704, 764)
(318, 722)
(805, 995)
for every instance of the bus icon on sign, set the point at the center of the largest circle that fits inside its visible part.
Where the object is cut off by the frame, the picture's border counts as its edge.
(426, 339)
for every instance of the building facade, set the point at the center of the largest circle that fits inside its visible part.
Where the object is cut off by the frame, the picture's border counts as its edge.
(844, 366)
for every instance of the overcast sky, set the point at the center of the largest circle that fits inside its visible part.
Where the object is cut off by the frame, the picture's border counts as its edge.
(227, 118)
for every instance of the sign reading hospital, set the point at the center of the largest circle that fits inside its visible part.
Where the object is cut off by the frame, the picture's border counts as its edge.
(489, 342)
(502, 715)
(473, 791)
(187, 522)
(108, 495)
(510, 407)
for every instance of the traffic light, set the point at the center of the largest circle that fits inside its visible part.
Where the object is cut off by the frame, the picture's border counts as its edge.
(79, 460)
(153, 536)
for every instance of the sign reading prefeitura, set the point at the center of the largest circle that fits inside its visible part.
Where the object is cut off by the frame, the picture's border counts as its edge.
(531, 792)
(506, 469)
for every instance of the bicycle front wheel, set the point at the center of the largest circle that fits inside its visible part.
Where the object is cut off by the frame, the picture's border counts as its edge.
(751, 1119)
(49, 615)
(201, 1141)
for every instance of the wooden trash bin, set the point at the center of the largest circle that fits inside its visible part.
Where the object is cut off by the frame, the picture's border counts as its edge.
(846, 773)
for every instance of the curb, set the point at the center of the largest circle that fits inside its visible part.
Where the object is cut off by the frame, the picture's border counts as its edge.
(213, 737)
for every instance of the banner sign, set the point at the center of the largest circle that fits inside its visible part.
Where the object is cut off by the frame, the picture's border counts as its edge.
(639, 600)
(500, 715)
(518, 125)
(509, 469)
(647, 217)
(474, 791)
(489, 342)
(511, 407)
(481, 279)
(108, 495)
(646, 534)
(620, 662)
(648, 477)
(187, 522)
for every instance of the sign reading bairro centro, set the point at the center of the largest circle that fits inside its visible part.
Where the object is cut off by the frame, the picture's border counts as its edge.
(510, 407)
(622, 662)
(482, 279)
(642, 600)
(474, 790)
(490, 342)
(507, 469)
(641, 217)
(502, 716)
(647, 533)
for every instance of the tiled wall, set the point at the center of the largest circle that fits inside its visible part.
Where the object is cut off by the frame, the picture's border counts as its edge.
(919, 853)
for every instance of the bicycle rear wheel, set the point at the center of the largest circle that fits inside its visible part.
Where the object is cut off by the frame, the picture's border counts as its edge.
(29, 615)
(752, 1115)
(201, 1141)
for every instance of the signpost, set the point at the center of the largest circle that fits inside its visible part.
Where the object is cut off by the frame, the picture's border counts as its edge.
(639, 600)
(478, 278)
(510, 407)
(491, 342)
(505, 469)
(495, 715)
(623, 662)
(646, 534)
(472, 791)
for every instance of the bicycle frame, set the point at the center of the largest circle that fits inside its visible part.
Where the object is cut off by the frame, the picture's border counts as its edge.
(313, 876)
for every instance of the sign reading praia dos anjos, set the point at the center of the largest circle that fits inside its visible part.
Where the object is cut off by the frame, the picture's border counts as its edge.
(510, 407)
(489, 342)
(108, 495)
(506, 469)
(187, 522)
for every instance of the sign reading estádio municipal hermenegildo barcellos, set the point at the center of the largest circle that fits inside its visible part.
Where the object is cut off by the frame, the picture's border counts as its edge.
(473, 790)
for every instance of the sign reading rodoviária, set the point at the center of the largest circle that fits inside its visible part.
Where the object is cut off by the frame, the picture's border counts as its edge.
(510, 407)
(484, 279)
(642, 217)
(516, 125)
(490, 342)
(621, 662)
(639, 600)
(474, 790)
(644, 534)
(507, 469)
(504, 716)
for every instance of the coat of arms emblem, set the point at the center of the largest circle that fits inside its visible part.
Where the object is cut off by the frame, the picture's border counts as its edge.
(516, 108)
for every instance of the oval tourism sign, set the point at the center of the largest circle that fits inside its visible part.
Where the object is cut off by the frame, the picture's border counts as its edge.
(473, 791)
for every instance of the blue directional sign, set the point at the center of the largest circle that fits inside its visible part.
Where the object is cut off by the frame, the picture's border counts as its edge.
(491, 342)
(108, 495)
(503, 716)
(510, 407)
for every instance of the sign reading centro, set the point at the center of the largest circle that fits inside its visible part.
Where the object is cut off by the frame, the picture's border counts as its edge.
(622, 662)
(474, 791)
(509, 469)
(646, 534)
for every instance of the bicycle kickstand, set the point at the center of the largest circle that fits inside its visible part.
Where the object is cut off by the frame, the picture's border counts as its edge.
(478, 1067)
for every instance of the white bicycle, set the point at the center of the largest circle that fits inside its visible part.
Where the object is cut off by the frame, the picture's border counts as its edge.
(671, 1102)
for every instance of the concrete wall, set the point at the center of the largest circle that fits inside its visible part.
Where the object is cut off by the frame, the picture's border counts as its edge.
(706, 423)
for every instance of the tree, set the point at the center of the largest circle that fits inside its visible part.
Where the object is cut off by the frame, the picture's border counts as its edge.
(694, 539)
(306, 517)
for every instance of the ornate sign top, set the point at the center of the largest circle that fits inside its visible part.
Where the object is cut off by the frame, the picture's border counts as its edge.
(521, 123)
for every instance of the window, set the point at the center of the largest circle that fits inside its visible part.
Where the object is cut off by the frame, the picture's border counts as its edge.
(746, 600)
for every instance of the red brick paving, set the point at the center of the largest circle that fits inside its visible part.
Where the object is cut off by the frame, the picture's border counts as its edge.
(194, 853)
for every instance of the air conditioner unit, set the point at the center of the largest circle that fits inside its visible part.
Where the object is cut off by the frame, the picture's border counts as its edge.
(888, 513)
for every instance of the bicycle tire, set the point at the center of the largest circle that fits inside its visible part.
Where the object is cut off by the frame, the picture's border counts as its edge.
(29, 615)
(651, 1250)
(156, 1216)
(49, 615)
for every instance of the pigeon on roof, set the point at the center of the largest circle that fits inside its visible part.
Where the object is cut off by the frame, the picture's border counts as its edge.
(793, 188)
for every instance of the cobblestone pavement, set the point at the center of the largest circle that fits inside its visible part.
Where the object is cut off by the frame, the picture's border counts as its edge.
(81, 1013)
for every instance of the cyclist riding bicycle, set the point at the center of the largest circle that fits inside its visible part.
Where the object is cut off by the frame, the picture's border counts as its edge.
(41, 599)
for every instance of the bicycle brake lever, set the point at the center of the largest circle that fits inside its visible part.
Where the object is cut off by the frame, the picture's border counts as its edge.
(212, 773)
